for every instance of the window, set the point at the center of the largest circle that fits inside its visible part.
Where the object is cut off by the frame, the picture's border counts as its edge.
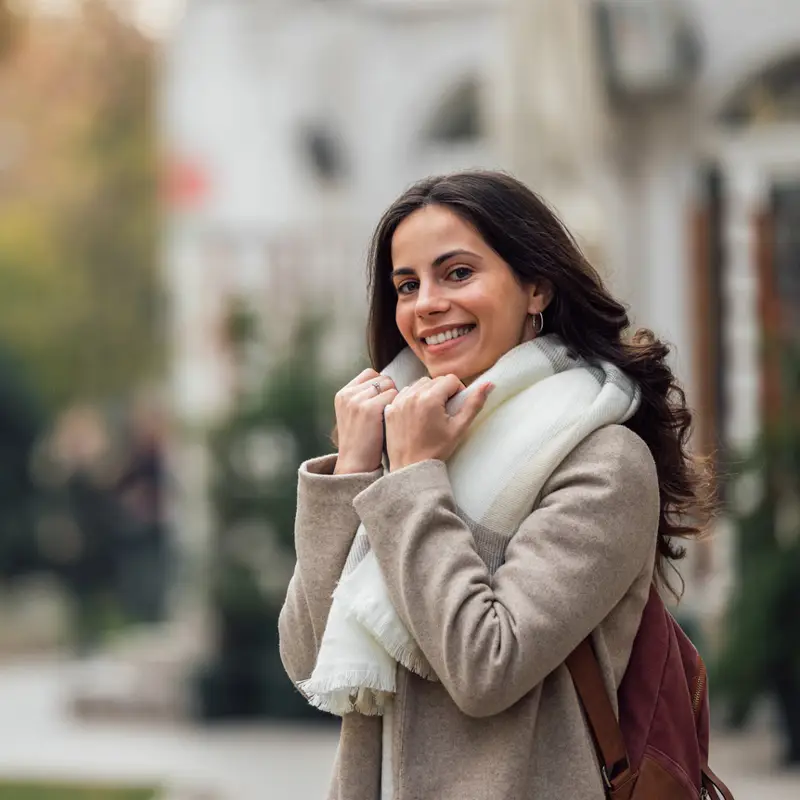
(771, 96)
(323, 151)
(458, 117)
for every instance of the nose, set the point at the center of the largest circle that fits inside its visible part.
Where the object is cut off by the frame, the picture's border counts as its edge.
(431, 299)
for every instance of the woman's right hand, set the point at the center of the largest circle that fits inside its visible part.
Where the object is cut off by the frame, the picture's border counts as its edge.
(359, 421)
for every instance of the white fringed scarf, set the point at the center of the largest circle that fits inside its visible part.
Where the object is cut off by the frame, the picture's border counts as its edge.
(545, 402)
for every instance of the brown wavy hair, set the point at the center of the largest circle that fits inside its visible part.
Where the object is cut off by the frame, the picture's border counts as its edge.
(531, 239)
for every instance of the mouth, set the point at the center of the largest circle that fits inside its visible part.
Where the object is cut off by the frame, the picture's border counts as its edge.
(447, 340)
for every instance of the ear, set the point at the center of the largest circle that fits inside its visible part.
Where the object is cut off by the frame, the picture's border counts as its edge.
(540, 296)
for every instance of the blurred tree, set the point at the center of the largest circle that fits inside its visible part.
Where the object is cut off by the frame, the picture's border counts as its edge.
(286, 420)
(20, 426)
(79, 293)
(761, 654)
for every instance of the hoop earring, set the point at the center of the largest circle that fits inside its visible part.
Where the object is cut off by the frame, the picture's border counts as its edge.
(537, 317)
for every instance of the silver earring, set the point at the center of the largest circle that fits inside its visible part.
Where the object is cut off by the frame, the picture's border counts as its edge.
(537, 317)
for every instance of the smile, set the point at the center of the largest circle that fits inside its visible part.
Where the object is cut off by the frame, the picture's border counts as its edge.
(448, 337)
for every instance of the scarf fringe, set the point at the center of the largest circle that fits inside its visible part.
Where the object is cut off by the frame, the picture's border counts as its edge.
(364, 691)
(413, 660)
(371, 703)
(350, 680)
(397, 643)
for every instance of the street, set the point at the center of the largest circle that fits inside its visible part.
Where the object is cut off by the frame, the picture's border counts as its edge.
(242, 762)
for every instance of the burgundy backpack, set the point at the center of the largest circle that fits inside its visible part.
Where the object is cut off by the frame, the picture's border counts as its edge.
(658, 750)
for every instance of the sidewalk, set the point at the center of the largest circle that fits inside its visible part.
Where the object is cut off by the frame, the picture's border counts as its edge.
(263, 762)
(39, 741)
(746, 762)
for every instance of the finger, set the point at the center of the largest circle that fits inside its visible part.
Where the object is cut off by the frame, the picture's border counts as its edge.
(443, 388)
(395, 406)
(384, 398)
(366, 391)
(363, 377)
(451, 383)
(472, 406)
(407, 390)
(417, 387)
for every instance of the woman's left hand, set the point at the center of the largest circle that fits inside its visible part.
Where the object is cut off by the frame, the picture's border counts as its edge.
(418, 426)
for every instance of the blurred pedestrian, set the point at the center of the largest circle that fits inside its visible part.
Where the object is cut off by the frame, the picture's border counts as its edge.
(80, 451)
(143, 552)
(508, 480)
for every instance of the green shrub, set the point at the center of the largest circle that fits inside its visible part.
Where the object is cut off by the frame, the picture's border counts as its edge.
(52, 791)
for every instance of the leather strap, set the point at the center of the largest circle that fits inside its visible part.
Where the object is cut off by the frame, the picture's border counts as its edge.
(585, 670)
(588, 679)
(710, 780)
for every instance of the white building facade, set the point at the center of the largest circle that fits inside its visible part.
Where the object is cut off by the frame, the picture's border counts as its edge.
(662, 132)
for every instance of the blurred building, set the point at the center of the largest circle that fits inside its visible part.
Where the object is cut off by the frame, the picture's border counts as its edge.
(666, 133)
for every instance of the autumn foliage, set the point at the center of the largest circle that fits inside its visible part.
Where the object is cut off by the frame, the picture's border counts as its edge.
(78, 204)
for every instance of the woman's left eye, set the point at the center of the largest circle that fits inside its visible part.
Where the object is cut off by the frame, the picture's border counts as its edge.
(461, 273)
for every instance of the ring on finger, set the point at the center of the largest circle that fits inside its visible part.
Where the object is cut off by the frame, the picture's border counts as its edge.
(377, 386)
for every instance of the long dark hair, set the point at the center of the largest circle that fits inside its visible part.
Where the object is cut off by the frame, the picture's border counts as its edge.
(530, 238)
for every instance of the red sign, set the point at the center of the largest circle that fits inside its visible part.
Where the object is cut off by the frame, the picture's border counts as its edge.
(185, 184)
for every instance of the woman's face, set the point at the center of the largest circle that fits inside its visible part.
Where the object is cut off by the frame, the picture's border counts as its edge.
(459, 305)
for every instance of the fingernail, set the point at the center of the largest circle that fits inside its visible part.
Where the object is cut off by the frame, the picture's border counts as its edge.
(489, 388)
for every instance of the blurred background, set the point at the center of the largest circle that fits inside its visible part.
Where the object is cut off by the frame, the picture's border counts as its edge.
(187, 188)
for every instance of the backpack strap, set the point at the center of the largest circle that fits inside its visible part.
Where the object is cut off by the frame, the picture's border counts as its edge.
(711, 781)
(588, 679)
(606, 733)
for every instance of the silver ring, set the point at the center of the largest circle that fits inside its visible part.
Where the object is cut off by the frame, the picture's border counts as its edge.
(377, 386)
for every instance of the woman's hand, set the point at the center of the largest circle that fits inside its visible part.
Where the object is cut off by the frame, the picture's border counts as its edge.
(359, 421)
(418, 426)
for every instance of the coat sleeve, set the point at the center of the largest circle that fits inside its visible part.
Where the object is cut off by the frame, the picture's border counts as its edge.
(493, 638)
(325, 525)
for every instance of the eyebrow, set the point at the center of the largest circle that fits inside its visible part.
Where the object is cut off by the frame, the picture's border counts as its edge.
(437, 262)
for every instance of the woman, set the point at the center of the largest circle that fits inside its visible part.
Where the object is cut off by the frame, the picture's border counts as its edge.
(508, 479)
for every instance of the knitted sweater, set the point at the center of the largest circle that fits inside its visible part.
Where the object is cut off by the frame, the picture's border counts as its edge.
(495, 619)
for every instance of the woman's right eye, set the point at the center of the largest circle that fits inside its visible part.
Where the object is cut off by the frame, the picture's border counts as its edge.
(407, 287)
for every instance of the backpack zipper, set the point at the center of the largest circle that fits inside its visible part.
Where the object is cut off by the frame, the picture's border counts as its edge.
(697, 698)
(700, 686)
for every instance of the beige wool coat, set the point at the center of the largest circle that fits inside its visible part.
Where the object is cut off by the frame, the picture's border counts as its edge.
(504, 722)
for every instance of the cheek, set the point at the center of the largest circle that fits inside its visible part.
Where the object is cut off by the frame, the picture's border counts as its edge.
(404, 319)
(502, 323)
(480, 303)
(493, 312)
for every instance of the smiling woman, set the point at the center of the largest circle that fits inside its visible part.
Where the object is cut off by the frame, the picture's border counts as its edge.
(510, 475)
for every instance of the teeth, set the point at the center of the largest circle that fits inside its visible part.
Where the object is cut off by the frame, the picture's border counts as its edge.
(451, 334)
